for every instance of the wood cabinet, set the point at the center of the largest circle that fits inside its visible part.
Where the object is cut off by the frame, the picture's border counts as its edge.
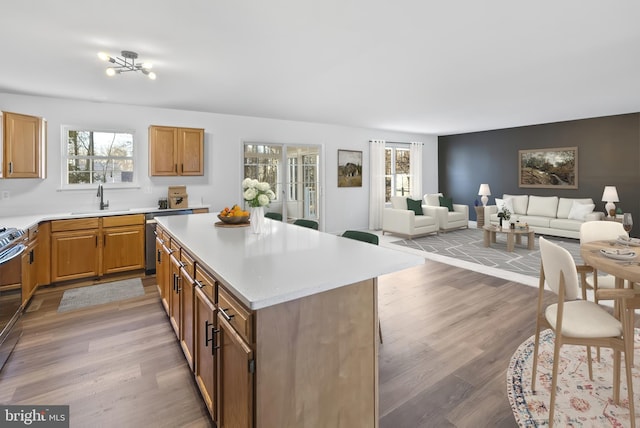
(75, 249)
(176, 151)
(43, 253)
(122, 243)
(205, 332)
(174, 297)
(235, 378)
(163, 269)
(24, 141)
(30, 265)
(82, 248)
(186, 306)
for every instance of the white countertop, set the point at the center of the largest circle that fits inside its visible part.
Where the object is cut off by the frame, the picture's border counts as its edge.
(28, 220)
(283, 263)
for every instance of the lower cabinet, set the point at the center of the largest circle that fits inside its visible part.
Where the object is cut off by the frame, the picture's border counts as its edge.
(186, 306)
(217, 348)
(174, 296)
(122, 243)
(74, 254)
(205, 332)
(163, 270)
(96, 246)
(235, 378)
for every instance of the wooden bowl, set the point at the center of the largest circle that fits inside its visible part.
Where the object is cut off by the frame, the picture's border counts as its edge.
(234, 219)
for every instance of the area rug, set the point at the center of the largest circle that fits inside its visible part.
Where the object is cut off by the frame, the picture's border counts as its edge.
(467, 245)
(580, 402)
(82, 297)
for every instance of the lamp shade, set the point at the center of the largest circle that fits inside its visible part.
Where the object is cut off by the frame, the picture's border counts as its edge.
(484, 190)
(610, 194)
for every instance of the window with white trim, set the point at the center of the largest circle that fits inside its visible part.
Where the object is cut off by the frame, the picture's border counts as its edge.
(97, 156)
(397, 170)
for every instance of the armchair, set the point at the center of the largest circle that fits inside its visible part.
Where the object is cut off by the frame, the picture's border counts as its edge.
(447, 220)
(402, 221)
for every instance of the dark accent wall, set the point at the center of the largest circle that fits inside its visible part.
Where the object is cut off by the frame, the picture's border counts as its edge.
(608, 154)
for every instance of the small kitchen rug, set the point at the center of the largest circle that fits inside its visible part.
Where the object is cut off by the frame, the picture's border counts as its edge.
(82, 297)
(580, 402)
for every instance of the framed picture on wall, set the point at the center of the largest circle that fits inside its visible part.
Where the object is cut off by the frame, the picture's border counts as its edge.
(349, 168)
(548, 168)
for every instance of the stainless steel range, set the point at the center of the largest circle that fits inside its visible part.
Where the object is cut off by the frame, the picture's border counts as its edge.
(11, 248)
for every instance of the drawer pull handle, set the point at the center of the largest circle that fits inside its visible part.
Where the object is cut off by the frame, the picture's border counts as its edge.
(209, 326)
(225, 315)
(159, 256)
(198, 283)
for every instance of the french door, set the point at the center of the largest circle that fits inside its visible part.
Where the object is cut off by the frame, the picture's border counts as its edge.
(293, 171)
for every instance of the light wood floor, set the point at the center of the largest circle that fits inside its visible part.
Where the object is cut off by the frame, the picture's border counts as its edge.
(448, 336)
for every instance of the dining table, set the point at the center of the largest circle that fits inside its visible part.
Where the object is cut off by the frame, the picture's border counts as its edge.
(621, 260)
(601, 256)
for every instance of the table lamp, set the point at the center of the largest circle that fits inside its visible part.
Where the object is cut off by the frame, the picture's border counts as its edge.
(610, 195)
(484, 191)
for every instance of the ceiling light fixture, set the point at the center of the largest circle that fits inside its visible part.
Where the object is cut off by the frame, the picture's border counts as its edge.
(126, 63)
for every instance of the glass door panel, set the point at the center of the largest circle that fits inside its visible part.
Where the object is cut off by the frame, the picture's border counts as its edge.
(293, 173)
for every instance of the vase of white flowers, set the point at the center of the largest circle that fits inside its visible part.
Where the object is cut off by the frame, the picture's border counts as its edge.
(257, 194)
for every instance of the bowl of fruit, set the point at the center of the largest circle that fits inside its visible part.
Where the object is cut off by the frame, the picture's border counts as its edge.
(234, 215)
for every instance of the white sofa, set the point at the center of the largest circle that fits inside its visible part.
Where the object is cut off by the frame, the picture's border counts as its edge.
(548, 215)
(447, 220)
(402, 221)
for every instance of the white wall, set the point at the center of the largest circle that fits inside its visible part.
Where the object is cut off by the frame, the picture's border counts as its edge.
(344, 208)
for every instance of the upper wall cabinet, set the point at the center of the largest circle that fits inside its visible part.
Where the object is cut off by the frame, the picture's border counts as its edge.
(24, 146)
(176, 151)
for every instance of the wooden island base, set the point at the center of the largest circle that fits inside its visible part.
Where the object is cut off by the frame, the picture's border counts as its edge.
(317, 360)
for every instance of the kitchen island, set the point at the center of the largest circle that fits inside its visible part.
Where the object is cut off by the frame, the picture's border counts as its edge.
(304, 304)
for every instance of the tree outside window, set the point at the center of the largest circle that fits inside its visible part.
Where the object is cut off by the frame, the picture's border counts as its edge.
(99, 157)
(397, 172)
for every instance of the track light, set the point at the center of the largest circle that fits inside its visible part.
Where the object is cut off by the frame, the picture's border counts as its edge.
(126, 63)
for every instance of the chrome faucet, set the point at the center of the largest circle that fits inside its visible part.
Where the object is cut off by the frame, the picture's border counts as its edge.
(100, 194)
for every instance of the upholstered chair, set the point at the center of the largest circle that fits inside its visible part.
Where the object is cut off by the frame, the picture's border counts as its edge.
(450, 216)
(400, 220)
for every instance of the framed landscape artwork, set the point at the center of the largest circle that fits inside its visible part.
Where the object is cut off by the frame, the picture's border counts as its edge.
(349, 168)
(548, 168)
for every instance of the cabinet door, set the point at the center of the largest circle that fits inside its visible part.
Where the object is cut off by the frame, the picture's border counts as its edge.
(174, 298)
(123, 249)
(160, 260)
(29, 271)
(186, 315)
(235, 378)
(163, 150)
(43, 254)
(191, 151)
(74, 255)
(167, 279)
(204, 349)
(22, 146)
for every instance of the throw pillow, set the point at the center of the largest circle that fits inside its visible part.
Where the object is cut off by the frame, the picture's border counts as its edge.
(446, 202)
(579, 211)
(432, 199)
(415, 206)
(505, 203)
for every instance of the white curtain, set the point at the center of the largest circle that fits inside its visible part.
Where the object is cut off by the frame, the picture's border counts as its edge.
(415, 168)
(376, 187)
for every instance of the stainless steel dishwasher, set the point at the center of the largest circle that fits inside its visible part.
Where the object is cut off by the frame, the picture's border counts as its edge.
(150, 236)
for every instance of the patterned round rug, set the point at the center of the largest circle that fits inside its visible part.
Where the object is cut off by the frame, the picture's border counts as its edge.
(580, 402)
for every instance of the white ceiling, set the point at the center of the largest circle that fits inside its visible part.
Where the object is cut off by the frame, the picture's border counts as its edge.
(434, 67)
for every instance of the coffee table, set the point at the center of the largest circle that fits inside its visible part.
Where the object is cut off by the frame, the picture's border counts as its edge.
(514, 236)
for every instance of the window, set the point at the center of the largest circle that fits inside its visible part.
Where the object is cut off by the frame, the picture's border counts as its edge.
(397, 171)
(261, 162)
(95, 156)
